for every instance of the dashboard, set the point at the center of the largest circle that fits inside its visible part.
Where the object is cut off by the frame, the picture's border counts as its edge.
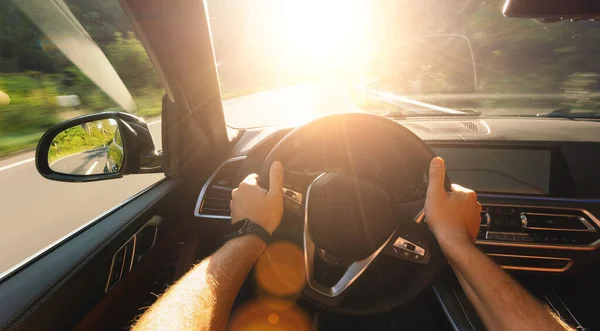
(499, 170)
(539, 188)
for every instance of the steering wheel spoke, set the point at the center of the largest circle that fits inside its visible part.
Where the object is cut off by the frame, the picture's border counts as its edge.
(352, 272)
(311, 253)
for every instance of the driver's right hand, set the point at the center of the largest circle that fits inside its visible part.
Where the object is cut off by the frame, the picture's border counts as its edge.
(453, 217)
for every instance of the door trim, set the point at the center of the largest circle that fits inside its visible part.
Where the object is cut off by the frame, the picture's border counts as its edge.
(27, 289)
(73, 233)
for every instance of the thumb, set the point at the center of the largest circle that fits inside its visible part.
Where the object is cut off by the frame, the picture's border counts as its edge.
(276, 178)
(437, 173)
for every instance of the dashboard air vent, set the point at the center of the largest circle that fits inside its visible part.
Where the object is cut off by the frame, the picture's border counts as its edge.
(547, 228)
(543, 226)
(449, 127)
(215, 196)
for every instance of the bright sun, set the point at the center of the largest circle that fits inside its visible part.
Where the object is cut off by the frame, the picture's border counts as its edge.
(316, 36)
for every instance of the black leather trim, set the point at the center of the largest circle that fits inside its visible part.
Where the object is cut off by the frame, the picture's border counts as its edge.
(26, 289)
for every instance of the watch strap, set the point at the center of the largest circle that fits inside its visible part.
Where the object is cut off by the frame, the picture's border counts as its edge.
(250, 227)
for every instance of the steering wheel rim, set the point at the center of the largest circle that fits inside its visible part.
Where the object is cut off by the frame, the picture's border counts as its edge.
(338, 297)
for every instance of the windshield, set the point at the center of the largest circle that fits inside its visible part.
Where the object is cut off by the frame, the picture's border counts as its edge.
(317, 57)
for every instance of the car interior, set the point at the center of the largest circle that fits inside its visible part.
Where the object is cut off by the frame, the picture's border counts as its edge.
(538, 189)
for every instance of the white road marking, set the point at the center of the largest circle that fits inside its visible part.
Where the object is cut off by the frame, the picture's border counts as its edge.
(91, 168)
(154, 122)
(6, 167)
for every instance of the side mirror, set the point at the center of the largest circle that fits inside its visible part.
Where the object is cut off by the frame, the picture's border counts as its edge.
(97, 147)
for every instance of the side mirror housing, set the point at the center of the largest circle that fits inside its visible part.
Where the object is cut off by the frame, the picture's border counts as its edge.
(96, 147)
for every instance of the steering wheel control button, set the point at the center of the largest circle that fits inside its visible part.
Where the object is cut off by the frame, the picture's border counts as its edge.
(293, 201)
(404, 254)
(407, 246)
(292, 195)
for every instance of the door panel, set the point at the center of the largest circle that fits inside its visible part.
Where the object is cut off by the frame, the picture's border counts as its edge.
(177, 251)
(56, 289)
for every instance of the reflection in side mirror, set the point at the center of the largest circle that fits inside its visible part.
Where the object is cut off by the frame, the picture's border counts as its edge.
(90, 148)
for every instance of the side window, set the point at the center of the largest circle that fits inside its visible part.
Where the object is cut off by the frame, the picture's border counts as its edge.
(59, 62)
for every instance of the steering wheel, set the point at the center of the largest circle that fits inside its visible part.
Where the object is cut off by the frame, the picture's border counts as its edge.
(365, 247)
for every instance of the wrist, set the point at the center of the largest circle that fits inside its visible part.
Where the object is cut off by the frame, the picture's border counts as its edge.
(454, 244)
(269, 225)
(249, 241)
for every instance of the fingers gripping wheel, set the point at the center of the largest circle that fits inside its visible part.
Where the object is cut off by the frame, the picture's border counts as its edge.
(352, 227)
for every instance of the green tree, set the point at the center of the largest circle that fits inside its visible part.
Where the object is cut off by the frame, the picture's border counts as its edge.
(130, 60)
(22, 44)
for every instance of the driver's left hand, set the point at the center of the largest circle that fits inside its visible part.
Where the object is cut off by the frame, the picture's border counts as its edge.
(262, 207)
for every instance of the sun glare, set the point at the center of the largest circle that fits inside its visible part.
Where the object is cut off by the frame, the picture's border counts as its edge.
(322, 29)
(314, 36)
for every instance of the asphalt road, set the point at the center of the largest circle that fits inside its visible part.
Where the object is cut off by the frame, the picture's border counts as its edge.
(36, 212)
(90, 162)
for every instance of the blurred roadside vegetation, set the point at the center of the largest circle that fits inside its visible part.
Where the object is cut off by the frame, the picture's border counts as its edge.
(80, 138)
(33, 72)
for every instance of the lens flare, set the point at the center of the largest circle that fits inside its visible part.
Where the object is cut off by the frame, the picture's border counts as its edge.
(269, 314)
(273, 318)
(280, 269)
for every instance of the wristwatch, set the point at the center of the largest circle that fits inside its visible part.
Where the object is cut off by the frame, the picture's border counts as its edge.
(250, 227)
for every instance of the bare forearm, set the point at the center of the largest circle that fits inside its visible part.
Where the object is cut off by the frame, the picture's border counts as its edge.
(502, 303)
(479, 307)
(203, 298)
